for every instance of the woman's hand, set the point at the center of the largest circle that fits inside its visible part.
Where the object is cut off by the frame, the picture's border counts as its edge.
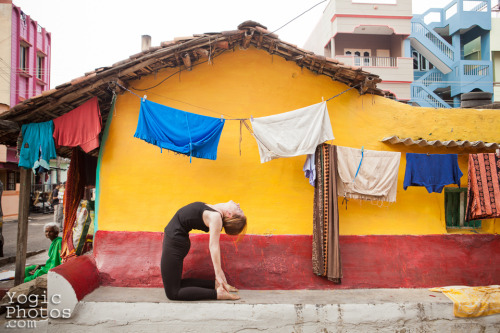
(33, 271)
(220, 280)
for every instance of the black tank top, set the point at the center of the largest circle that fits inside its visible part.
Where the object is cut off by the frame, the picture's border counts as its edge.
(186, 219)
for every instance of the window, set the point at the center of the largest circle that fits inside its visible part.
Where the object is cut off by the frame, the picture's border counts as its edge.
(455, 203)
(420, 63)
(415, 60)
(361, 57)
(11, 181)
(366, 59)
(40, 59)
(23, 57)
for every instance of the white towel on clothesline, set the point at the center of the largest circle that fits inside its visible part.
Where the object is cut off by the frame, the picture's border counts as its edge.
(377, 178)
(292, 133)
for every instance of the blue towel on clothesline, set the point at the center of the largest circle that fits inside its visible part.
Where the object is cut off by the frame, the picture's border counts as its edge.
(180, 131)
(432, 171)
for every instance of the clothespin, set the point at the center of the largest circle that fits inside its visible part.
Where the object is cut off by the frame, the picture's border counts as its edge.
(221, 118)
(144, 98)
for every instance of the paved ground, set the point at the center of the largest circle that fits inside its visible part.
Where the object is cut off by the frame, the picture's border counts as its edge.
(36, 235)
(344, 296)
(120, 310)
(38, 244)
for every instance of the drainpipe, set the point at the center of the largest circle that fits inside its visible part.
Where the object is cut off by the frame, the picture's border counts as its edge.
(146, 42)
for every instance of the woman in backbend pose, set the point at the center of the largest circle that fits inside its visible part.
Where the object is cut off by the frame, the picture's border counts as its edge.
(176, 244)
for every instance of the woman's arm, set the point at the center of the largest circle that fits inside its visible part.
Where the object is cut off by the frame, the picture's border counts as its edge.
(215, 226)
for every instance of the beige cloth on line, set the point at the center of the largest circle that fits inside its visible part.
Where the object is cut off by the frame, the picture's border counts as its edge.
(377, 178)
(292, 133)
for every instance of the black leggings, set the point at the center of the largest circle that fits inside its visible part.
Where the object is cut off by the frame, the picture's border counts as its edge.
(177, 288)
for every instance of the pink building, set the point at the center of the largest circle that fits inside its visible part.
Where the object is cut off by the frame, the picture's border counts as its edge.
(25, 48)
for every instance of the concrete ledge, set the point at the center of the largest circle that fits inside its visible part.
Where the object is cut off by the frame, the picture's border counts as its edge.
(70, 282)
(113, 309)
(8, 260)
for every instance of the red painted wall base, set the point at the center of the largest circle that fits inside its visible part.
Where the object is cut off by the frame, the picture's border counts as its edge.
(132, 259)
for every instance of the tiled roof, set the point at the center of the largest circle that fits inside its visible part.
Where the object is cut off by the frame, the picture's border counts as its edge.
(182, 52)
(438, 143)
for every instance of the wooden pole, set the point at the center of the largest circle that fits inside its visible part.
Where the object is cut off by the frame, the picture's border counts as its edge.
(22, 225)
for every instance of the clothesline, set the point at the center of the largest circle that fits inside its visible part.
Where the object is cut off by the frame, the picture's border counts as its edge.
(239, 119)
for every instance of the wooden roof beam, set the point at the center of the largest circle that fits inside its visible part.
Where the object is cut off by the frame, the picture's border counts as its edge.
(187, 61)
(248, 37)
(8, 125)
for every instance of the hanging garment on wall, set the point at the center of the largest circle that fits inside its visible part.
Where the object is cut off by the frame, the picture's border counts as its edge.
(38, 145)
(326, 259)
(376, 178)
(293, 133)
(432, 171)
(310, 168)
(79, 127)
(81, 173)
(483, 189)
(180, 131)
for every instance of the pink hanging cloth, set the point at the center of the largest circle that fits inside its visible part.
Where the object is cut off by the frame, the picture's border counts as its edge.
(79, 127)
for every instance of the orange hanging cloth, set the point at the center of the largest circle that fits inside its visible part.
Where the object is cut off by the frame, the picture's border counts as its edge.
(79, 127)
(483, 189)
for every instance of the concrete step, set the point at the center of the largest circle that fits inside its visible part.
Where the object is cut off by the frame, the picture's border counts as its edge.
(112, 309)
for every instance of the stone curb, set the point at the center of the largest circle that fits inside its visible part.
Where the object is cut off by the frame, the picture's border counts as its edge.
(8, 260)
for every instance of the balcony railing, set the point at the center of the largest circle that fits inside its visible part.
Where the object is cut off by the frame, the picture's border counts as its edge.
(476, 70)
(475, 6)
(431, 77)
(433, 38)
(427, 98)
(369, 61)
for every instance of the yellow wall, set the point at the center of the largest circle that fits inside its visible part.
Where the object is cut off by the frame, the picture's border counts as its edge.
(141, 188)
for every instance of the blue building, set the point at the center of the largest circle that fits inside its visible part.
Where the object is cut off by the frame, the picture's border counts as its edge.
(450, 48)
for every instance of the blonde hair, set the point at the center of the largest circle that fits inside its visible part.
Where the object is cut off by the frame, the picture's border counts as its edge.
(234, 225)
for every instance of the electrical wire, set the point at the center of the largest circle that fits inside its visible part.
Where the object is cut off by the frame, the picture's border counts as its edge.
(228, 117)
(319, 3)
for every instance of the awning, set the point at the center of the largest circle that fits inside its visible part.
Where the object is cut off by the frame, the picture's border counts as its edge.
(438, 143)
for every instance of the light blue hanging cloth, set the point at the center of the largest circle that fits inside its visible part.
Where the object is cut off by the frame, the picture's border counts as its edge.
(38, 145)
(180, 131)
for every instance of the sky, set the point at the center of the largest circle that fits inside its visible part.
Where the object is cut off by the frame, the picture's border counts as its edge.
(96, 33)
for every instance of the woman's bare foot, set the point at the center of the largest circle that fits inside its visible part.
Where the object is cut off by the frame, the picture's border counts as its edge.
(222, 294)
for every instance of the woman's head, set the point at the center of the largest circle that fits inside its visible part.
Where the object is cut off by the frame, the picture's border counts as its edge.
(234, 220)
(51, 230)
(234, 225)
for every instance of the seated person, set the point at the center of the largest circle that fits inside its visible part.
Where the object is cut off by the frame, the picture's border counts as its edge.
(34, 271)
